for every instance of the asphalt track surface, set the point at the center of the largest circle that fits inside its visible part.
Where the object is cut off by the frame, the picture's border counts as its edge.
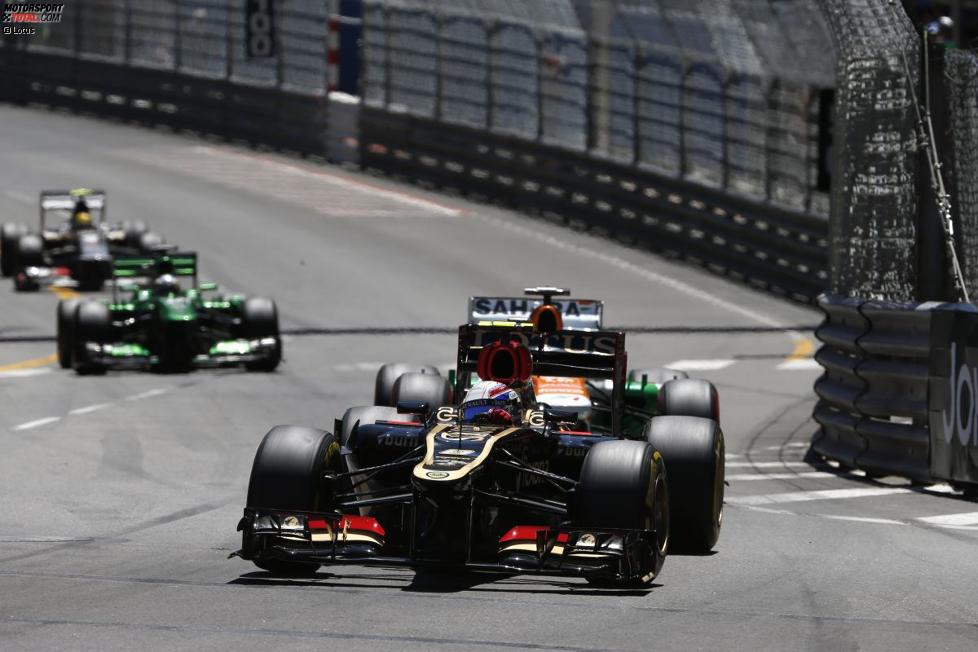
(120, 494)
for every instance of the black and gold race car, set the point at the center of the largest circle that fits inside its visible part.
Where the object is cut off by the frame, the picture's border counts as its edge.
(469, 484)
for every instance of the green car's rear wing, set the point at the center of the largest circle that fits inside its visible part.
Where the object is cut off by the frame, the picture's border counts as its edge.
(596, 355)
(178, 263)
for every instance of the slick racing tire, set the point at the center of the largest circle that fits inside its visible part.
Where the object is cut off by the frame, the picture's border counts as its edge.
(259, 320)
(133, 233)
(427, 388)
(30, 251)
(149, 241)
(286, 476)
(693, 450)
(92, 323)
(623, 485)
(689, 397)
(9, 237)
(657, 375)
(66, 331)
(388, 374)
(366, 415)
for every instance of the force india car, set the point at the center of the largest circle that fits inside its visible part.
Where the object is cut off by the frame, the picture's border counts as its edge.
(158, 324)
(77, 250)
(648, 391)
(418, 485)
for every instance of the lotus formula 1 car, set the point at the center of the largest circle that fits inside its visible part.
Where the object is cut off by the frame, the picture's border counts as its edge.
(78, 251)
(158, 324)
(497, 483)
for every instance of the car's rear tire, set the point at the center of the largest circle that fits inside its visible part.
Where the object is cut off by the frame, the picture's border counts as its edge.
(367, 414)
(388, 374)
(413, 386)
(66, 331)
(689, 397)
(134, 232)
(150, 241)
(623, 485)
(287, 476)
(92, 323)
(9, 237)
(259, 319)
(656, 375)
(693, 450)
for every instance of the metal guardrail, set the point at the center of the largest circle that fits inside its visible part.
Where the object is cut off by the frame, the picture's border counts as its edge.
(653, 145)
(886, 388)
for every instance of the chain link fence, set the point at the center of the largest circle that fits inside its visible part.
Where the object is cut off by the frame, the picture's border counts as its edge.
(961, 79)
(875, 191)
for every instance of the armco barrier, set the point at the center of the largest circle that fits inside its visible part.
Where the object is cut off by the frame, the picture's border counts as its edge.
(780, 249)
(891, 372)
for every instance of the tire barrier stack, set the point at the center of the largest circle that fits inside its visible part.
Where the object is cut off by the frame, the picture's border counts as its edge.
(667, 127)
(183, 65)
(900, 389)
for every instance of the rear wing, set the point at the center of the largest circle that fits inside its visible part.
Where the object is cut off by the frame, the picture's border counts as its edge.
(569, 353)
(178, 263)
(577, 314)
(65, 200)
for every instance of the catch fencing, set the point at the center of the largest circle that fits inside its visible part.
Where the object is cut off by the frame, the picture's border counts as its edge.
(658, 123)
(900, 391)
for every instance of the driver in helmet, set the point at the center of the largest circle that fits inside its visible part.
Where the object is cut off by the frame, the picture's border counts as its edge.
(491, 403)
(80, 217)
(166, 284)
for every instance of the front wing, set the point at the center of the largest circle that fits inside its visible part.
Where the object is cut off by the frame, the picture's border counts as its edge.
(227, 353)
(333, 538)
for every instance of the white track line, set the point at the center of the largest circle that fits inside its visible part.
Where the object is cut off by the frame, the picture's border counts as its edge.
(749, 477)
(862, 519)
(36, 423)
(90, 408)
(336, 180)
(700, 365)
(24, 373)
(768, 465)
(799, 364)
(952, 520)
(648, 274)
(147, 394)
(807, 496)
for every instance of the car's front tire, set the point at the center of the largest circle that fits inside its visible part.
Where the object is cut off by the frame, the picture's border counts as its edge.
(66, 331)
(287, 476)
(623, 486)
(259, 320)
(92, 323)
(9, 237)
(693, 450)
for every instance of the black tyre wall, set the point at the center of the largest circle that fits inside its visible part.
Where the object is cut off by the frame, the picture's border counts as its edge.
(388, 374)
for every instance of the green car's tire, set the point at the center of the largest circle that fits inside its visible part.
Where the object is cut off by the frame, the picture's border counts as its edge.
(259, 319)
(66, 331)
(91, 324)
